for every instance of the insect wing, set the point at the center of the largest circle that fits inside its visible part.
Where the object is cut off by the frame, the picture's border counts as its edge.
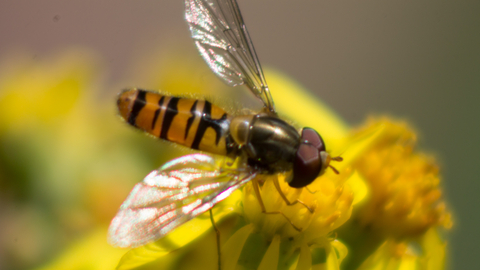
(179, 191)
(223, 41)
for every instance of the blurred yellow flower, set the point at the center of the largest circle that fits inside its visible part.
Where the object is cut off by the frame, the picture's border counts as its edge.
(59, 163)
(406, 196)
(404, 209)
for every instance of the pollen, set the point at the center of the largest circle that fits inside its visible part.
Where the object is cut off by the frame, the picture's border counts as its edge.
(405, 198)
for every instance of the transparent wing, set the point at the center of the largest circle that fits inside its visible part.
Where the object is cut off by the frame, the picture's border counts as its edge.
(223, 41)
(179, 191)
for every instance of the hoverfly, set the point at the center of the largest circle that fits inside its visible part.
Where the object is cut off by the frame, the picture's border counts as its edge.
(262, 142)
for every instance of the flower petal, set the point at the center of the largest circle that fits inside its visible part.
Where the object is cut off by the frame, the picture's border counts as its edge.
(233, 247)
(435, 250)
(305, 258)
(92, 252)
(359, 187)
(270, 259)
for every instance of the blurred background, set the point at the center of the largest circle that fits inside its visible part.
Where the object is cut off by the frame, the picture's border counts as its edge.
(67, 161)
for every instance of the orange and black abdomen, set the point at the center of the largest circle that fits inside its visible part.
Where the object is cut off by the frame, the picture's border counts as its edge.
(197, 124)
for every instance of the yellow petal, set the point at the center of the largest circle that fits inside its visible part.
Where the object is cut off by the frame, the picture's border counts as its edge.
(305, 258)
(409, 263)
(233, 247)
(340, 250)
(270, 259)
(92, 253)
(359, 187)
(435, 250)
(358, 144)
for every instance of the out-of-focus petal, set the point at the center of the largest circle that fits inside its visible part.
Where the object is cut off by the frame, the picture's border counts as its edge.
(233, 247)
(305, 258)
(270, 259)
(92, 253)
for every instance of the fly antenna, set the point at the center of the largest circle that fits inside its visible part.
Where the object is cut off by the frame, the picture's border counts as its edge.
(338, 159)
(333, 169)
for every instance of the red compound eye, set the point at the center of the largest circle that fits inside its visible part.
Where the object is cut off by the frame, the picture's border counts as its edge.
(306, 165)
(313, 138)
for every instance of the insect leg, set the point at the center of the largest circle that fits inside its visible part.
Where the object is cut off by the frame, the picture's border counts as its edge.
(277, 186)
(309, 191)
(217, 232)
(264, 211)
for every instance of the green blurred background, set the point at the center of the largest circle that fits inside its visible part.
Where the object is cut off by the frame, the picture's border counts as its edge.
(414, 60)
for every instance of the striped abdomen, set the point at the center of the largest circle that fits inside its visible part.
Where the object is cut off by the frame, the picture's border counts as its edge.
(197, 124)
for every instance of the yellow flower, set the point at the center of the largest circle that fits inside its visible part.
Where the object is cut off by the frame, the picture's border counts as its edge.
(406, 196)
(404, 202)
(66, 161)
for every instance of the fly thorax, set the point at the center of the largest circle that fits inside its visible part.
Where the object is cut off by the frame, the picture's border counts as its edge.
(240, 128)
(269, 142)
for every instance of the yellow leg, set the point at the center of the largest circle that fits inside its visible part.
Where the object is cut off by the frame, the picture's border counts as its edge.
(277, 186)
(256, 189)
(217, 232)
(309, 191)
